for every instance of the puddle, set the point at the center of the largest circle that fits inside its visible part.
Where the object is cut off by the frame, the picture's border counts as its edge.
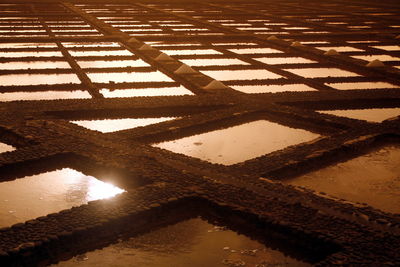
(296, 28)
(34, 65)
(141, 30)
(339, 48)
(236, 24)
(226, 75)
(31, 54)
(275, 24)
(194, 242)
(284, 60)
(314, 42)
(112, 64)
(176, 25)
(372, 178)
(238, 143)
(388, 47)
(100, 53)
(322, 72)
(28, 45)
(95, 44)
(380, 57)
(371, 115)
(121, 77)
(107, 126)
(189, 29)
(362, 41)
(359, 27)
(214, 62)
(43, 95)
(36, 79)
(167, 91)
(191, 52)
(253, 28)
(252, 89)
(159, 44)
(234, 44)
(5, 148)
(38, 195)
(362, 85)
(316, 32)
(265, 50)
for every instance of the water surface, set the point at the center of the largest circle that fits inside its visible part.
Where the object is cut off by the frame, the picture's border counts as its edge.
(123, 77)
(44, 95)
(167, 91)
(37, 79)
(371, 115)
(113, 125)
(239, 143)
(373, 178)
(38, 195)
(5, 148)
(214, 62)
(226, 75)
(284, 60)
(112, 63)
(194, 242)
(362, 85)
(257, 50)
(275, 88)
(322, 72)
(34, 65)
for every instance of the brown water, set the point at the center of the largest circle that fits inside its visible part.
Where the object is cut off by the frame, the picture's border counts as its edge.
(252, 89)
(322, 72)
(31, 54)
(5, 148)
(256, 50)
(362, 85)
(36, 79)
(239, 143)
(380, 57)
(191, 52)
(226, 75)
(34, 65)
(388, 47)
(44, 95)
(121, 77)
(168, 91)
(106, 126)
(340, 48)
(194, 242)
(373, 178)
(38, 195)
(371, 115)
(214, 62)
(112, 63)
(284, 60)
(101, 53)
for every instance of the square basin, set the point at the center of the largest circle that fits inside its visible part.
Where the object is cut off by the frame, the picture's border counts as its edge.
(165, 91)
(371, 115)
(106, 126)
(239, 143)
(372, 178)
(193, 242)
(38, 195)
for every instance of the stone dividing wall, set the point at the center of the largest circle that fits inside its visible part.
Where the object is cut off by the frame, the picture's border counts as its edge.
(163, 187)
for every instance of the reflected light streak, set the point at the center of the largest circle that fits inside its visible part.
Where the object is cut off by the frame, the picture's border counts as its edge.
(101, 190)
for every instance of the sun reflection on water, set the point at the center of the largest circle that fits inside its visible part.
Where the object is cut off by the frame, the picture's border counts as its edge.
(101, 190)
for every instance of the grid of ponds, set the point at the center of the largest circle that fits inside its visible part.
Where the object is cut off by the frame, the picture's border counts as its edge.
(195, 133)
